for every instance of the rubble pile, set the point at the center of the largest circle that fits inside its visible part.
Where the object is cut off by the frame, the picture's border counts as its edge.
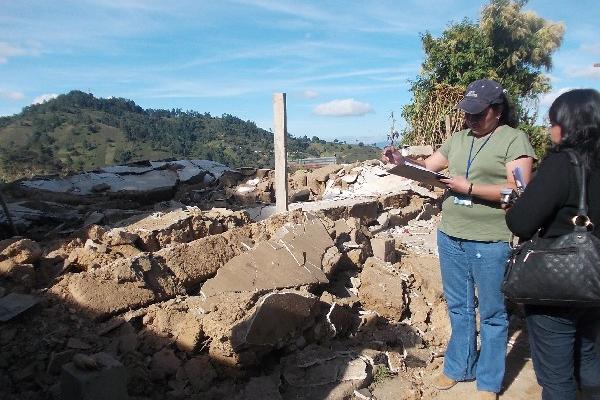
(189, 303)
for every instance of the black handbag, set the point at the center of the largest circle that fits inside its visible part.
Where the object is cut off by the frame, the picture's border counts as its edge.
(561, 271)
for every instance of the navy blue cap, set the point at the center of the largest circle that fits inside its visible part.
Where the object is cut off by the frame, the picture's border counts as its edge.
(480, 95)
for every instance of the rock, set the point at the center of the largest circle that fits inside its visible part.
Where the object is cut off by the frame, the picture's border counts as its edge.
(199, 372)
(78, 344)
(100, 187)
(316, 372)
(119, 236)
(107, 382)
(366, 211)
(262, 173)
(395, 200)
(58, 359)
(299, 179)
(331, 258)
(189, 334)
(262, 387)
(274, 320)
(384, 249)
(164, 363)
(382, 290)
(350, 178)
(104, 298)
(93, 218)
(14, 304)
(322, 174)
(300, 195)
(294, 260)
(24, 251)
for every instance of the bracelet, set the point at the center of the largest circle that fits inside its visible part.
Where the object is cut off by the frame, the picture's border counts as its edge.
(470, 189)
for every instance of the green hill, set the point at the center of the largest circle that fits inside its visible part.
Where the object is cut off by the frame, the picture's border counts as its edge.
(77, 132)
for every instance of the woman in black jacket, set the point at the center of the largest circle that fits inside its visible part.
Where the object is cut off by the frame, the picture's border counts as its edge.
(563, 339)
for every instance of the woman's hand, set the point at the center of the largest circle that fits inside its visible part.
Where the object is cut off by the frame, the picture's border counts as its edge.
(458, 184)
(391, 155)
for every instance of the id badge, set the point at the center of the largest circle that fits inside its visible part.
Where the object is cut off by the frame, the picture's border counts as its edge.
(463, 200)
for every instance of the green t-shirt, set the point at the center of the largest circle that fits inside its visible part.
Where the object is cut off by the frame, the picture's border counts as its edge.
(484, 220)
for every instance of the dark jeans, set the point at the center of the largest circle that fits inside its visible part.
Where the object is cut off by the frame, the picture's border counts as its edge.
(562, 342)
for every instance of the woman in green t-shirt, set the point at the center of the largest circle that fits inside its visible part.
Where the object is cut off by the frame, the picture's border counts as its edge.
(473, 237)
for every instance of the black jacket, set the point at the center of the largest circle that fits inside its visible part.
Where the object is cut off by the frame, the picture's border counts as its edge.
(550, 200)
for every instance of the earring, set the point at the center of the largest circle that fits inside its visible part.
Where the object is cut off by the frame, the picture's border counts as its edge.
(498, 118)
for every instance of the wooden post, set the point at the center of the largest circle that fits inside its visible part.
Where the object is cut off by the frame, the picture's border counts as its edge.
(280, 132)
(448, 127)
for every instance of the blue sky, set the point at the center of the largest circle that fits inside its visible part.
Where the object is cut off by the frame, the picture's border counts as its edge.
(344, 65)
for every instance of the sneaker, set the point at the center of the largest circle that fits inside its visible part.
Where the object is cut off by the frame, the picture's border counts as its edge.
(442, 382)
(483, 395)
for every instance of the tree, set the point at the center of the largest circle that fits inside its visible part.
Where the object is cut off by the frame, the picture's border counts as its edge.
(507, 44)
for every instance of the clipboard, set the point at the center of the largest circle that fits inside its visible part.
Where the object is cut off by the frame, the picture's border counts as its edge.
(418, 173)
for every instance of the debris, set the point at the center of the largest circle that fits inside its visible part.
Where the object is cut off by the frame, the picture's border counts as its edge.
(107, 381)
(14, 304)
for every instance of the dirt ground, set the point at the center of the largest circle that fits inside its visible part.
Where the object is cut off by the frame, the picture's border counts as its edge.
(519, 382)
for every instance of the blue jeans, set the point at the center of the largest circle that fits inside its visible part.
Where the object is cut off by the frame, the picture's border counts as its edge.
(562, 350)
(467, 266)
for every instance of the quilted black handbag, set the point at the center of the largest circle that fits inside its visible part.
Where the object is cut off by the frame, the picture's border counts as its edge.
(561, 271)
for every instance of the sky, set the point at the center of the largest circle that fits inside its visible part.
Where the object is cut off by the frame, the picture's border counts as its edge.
(344, 65)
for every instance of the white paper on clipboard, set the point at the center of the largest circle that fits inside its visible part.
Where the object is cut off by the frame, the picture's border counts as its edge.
(418, 173)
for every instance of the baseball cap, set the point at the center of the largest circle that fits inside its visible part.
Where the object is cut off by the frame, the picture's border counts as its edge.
(479, 95)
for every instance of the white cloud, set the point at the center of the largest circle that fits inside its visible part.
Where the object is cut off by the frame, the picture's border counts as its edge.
(343, 108)
(44, 98)
(11, 95)
(547, 99)
(310, 94)
(7, 51)
(590, 72)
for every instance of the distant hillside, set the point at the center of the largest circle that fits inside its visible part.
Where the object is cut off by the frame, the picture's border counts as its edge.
(77, 131)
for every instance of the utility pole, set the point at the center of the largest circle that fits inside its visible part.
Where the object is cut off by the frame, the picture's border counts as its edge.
(280, 132)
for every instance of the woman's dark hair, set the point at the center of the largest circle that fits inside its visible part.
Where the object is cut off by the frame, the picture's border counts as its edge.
(577, 112)
(507, 112)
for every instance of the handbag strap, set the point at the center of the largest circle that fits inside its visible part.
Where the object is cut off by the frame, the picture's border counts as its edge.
(581, 219)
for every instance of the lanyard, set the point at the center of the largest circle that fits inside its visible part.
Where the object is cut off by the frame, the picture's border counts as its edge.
(470, 160)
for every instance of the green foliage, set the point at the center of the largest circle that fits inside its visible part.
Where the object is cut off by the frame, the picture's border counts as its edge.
(539, 138)
(507, 44)
(381, 373)
(77, 131)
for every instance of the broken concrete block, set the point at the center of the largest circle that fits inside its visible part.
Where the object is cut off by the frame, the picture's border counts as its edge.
(14, 304)
(396, 200)
(300, 195)
(342, 320)
(365, 211)
(322, 174)
(189, 334)
(119, 236)
(104, 298)
(199, 372)
(316, 372)
(262, 387)
(195, 262)
(57, 360)
(384, 249)
(24, 251)
(275, 319)
(109, 381)
(331, 258)
(382, 290)
(164, 363)
(292, 261)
